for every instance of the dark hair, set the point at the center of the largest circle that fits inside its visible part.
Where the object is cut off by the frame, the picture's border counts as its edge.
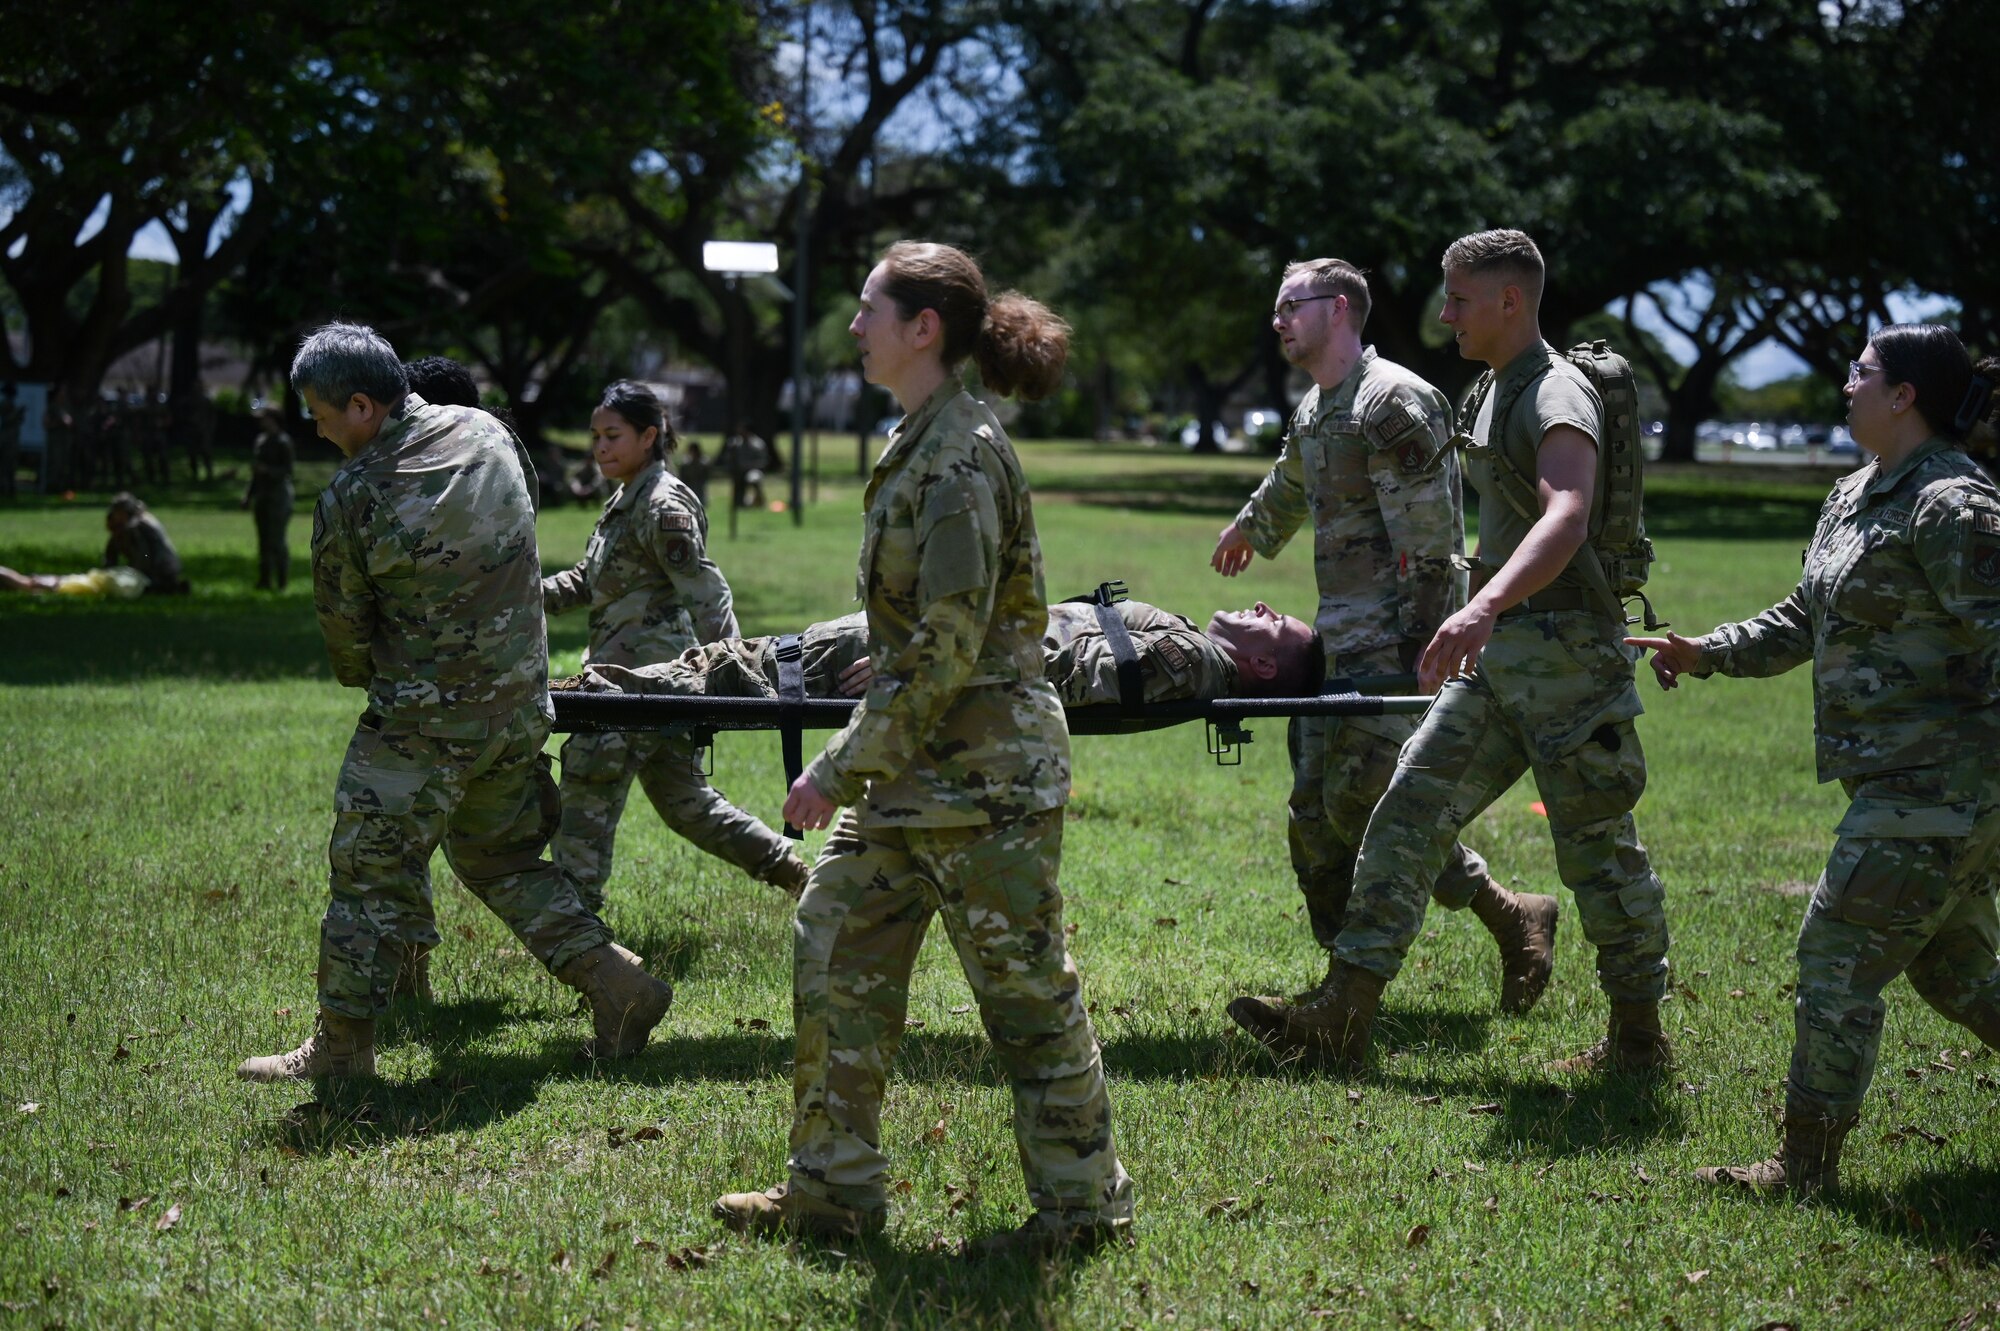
(442, 382)
(1019, 344)
(336, 361)
(1952, 396)
(127, 503)
(1301, 668)
(1508, 253)
(1335, 277)
(638, 405)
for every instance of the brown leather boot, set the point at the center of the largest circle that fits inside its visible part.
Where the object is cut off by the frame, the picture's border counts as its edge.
(625, 1002)
(1807, 1162)
(340, 1047)
(1634, 1043)
(1524, 925)
(1263, 1015)
(780, 1209)
(789, 875)
(1335, 1029)
(413, 970)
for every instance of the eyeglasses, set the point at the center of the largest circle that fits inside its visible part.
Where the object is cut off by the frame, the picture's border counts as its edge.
(1856, 372)
(1289, 309)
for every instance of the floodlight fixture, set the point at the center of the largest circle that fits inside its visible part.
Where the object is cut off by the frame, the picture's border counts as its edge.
(739, 257)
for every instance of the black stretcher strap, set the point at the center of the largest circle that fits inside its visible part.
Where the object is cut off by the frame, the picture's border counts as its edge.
(791, 726)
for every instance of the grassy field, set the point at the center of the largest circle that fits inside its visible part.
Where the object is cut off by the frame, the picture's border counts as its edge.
(168, 773)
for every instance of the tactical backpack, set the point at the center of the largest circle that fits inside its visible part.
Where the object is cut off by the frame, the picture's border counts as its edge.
(1616, 557)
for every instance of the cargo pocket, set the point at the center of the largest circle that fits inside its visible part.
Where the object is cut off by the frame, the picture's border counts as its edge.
(1887, 883)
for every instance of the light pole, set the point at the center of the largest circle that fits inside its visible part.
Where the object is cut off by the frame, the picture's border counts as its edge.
(734, 259)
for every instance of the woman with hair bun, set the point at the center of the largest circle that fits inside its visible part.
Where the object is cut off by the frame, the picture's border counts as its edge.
(954, 772)
(653, 593)
(1899, 613)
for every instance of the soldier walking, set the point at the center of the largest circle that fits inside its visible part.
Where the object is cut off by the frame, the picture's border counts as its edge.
(1367, 456)
(269, 499)
(427, 585)
(1531, 675)
(1899, 613)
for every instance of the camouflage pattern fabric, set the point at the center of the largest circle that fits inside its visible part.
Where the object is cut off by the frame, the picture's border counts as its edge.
(1176, 660)
(858, 930)
(959, 726)
(484, 793)
(597, 772)
(1899, 613)
(1369, 462)
(425, 575)
(1340, 767)
(1552, 695)
(653, 594)
(646, 576)
(425, 578)
(270, 499)
(144, 545)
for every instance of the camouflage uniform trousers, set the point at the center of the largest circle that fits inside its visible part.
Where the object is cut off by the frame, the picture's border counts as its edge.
(274, 556)
(859, 927)
(1340, 767)
(490, 801)
(597, 772)
(1887, 905)
(1562, 711)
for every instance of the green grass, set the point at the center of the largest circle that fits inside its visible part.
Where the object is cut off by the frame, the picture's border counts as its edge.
(169, 767)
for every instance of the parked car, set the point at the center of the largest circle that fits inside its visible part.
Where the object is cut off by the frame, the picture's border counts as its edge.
(1191, 434)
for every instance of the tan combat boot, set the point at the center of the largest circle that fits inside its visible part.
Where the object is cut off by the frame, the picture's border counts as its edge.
(1263, 1015)
(413, 970)
(781, 1210)
(340, 1047)
(1633, 1043)
(1335, 1028)
(1524, 925)
(1807, 1162)
(788, 875)
(625, 1002)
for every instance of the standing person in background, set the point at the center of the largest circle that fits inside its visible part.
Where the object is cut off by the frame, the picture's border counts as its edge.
(694, 473)
(1532, 675)
(1368, 458)
(425, 578)
(269, 499)
(653, 593)
(11, 418)
(955, 768)
(1899, 613)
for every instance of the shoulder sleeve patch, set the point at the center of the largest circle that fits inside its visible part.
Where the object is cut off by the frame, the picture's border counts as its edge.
(1402, 427)
(1982, 551)
(673, 519)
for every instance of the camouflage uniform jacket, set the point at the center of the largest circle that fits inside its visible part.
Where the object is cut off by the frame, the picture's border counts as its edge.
(959, 727)
(1369, 461)
(144, 545)
(1176, 660)
(1899, 612)
(425, 572)
(652, 590)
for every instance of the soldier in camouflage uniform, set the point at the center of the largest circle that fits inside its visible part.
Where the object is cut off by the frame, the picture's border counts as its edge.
(138, 539)
(1176, 661)
(269, 500)
(1367, 457)
(1532, 676)
(955, 769)
(1899, 612)
(653, 593)
(425, 578)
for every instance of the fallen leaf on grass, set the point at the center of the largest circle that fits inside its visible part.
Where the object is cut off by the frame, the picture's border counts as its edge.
(171, 1218)
(1165, 922)
(1120, 1010)
(1354, 1097)
(687, 1259)
(486, 1268)
(30, 1107)
(1428, 1100)
(121, 1053)
(1737, 993)
(649, 1133)
(133, 1203)
(613, 1226)
(936, 1133)
(559, 1259)
(1696, 1277)
(1418, 1236)
(644, 1245)
(955, 1198)
(1251, 1287)
(1493, 1108)
(604, 1264)
(961, 1009)
(1472, 1168)
(1640, 1171)
(903, 1187)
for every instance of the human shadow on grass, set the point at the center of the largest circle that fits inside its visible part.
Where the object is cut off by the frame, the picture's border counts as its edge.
(1946, 1206)
(933, 1284)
